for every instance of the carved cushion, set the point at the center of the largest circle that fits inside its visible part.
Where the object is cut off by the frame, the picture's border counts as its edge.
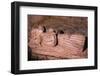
(35, 38)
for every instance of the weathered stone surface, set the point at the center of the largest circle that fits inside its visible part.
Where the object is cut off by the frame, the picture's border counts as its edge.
(66, 43)
(67, 46)
(78, 39)
(35, 18)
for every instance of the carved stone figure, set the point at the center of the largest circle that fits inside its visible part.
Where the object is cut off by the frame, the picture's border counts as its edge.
(50, 45)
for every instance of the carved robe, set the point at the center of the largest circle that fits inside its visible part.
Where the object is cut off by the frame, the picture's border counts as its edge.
(72, 45)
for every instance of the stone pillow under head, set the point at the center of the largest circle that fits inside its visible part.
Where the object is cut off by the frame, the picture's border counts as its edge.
(35, 38)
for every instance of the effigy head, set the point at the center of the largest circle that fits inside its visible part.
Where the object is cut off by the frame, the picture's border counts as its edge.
(49, 38)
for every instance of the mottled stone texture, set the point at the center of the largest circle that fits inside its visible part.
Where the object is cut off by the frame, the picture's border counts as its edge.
(57, 37)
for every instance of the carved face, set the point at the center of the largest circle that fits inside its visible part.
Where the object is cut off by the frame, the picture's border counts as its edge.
(49, 39)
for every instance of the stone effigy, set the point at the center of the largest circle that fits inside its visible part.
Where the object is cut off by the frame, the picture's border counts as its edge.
(77, 40)
(50, 45)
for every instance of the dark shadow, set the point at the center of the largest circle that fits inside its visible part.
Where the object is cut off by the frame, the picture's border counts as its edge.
(85, 44)
(29, 54)
(61, 31)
